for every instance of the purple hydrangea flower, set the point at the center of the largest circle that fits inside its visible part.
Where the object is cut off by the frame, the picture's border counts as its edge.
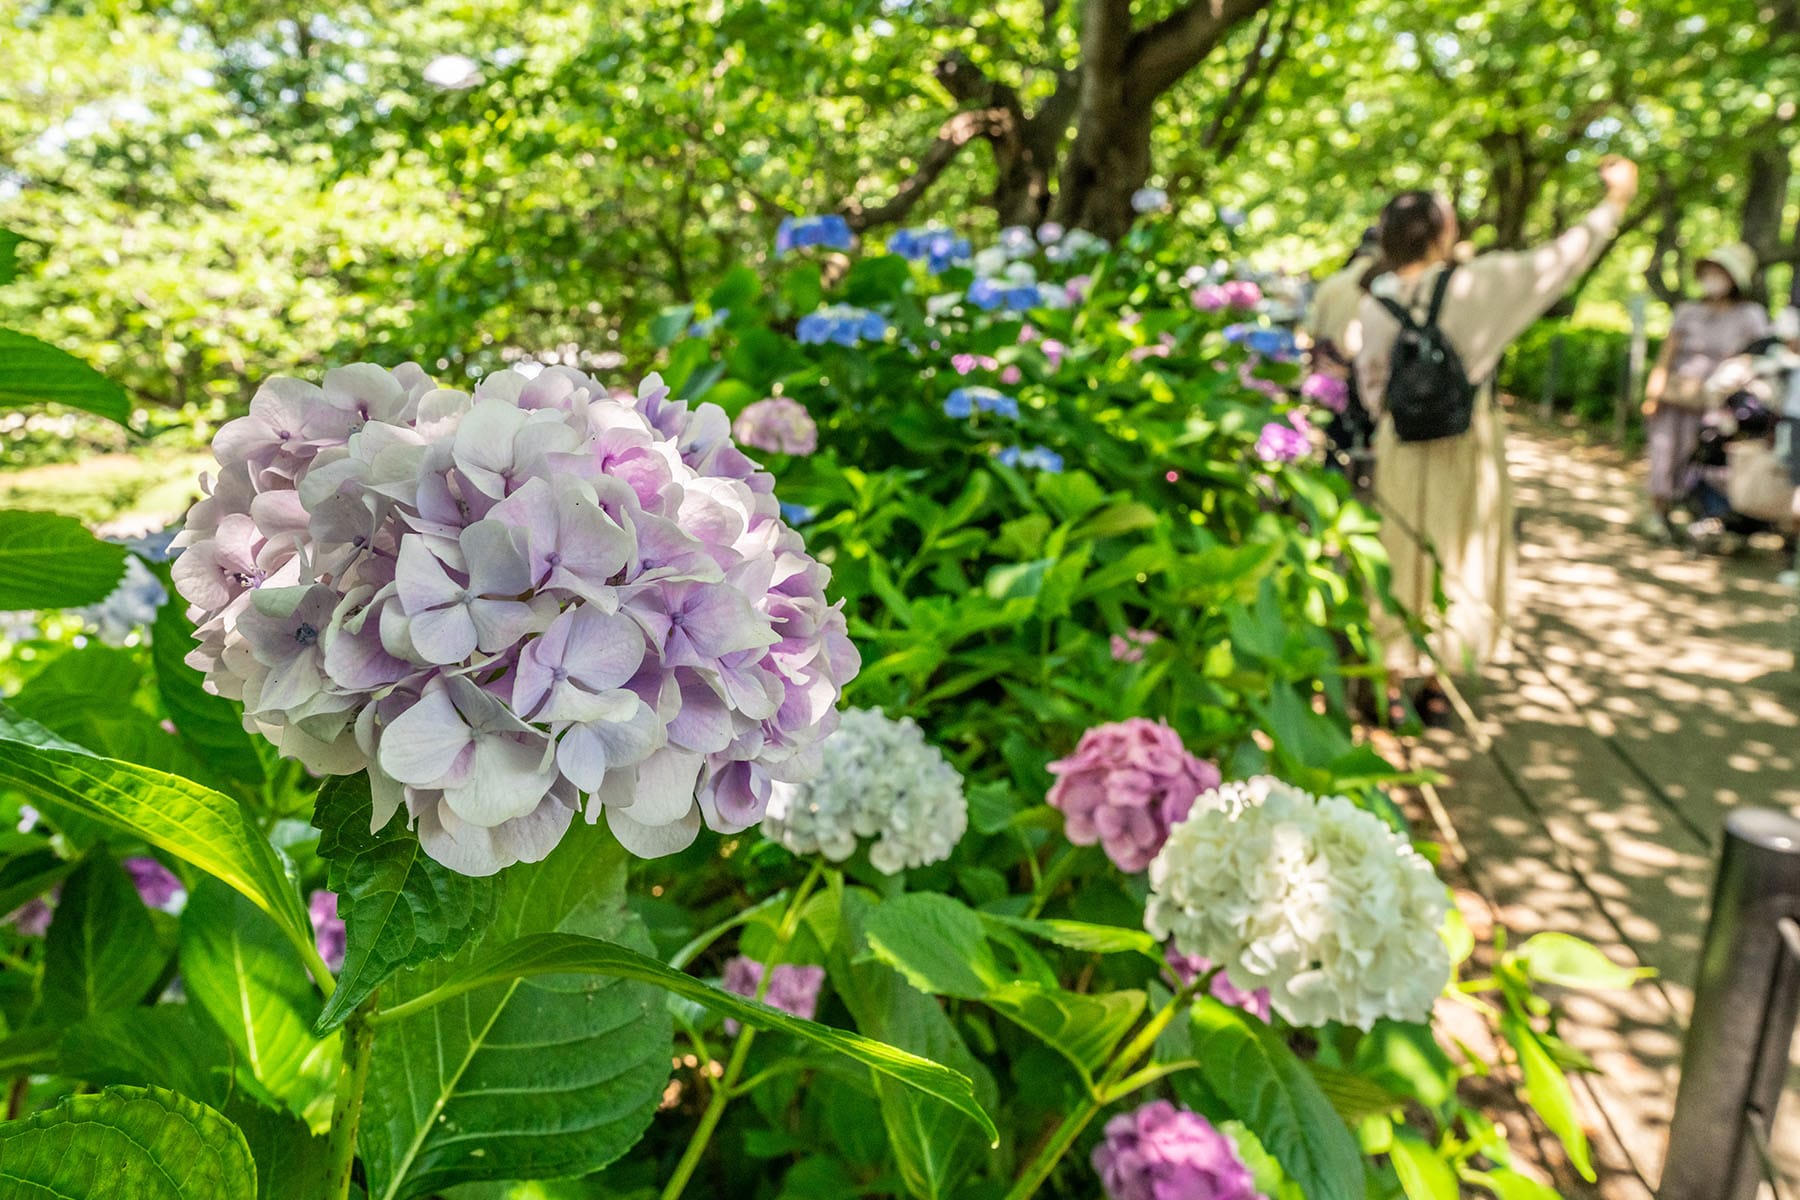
(1160, 1152)
(1188, 967)
(155, 884)
(1327, 391)
(1125, 785)
(328, 927)
(1282, 441)
(828, 230)
(545, 598)
(1241, 293)
(792, 989)
(32, 918)
(1209, 297)
(779, 425)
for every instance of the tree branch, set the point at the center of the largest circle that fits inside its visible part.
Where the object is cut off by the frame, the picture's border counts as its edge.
(1162, 53)
(952, 136)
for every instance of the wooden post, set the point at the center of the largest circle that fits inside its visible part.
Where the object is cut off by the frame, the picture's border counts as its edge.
(1634, 369)
(1547, 407)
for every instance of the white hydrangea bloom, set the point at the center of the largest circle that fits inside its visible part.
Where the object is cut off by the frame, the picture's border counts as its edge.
(1310, 897)
(880, 779)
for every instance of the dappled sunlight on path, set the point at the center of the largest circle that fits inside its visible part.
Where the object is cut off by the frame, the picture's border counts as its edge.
(1647, 694)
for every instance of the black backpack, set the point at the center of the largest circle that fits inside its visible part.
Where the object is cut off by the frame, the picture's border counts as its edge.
(1428, 394)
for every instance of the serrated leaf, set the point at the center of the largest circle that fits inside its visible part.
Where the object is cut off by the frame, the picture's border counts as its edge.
(194, 823)
(212, 726)
(290, 1159)
(48, 560)
(934, 1145)
(1083, 935)
(235, 966)
(145, 1143)
(559, 953)
(937, 943)
(34, 372)
(1548, 1092)
(1254, 1073)
(100, 953)
(170, 1045)
(1423, 1174)
(29, 874)
(1567, 961)
(1083, 1029)
(1406, 1057)
(516, 1077)
(400, 907)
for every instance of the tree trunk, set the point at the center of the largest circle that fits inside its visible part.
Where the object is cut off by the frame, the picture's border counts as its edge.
(1109, 160)
(1765, 203)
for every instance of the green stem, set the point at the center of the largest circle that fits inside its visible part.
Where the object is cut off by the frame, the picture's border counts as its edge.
(1103, 1093)
(320, 972)
(726, 1087)
(346, 1109)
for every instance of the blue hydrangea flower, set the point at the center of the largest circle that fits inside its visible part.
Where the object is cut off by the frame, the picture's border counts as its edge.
(1036, 458)
(985, 294)
(965, 400)
(844, 324)
(796, 515)
(1238, 334)
(707, 326)
(939, 248)
(1272, 343)
(1018, 242)
(828, 230)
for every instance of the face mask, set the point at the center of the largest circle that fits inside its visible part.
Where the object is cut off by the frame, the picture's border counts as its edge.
(1715, 286)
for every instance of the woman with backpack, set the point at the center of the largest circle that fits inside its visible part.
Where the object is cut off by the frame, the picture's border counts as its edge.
(1433, 332)
(1704, 334)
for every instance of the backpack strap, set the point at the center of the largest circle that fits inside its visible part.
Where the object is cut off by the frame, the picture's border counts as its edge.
(1403, 315)
(1437, 295)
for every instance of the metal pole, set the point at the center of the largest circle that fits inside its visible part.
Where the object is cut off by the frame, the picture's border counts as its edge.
(1745, 1003)
(1547, 407)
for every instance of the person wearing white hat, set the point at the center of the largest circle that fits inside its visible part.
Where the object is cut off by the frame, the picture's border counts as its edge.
(1704, 333)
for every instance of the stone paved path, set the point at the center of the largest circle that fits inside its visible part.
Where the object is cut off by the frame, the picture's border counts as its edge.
(1649, 694)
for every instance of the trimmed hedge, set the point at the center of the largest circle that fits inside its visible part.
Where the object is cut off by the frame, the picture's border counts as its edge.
(1587, 378)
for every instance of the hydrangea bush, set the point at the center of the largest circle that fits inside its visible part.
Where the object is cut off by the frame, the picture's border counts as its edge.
(510, 742)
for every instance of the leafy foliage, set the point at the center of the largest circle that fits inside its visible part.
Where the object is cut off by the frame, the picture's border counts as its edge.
(147, 1142)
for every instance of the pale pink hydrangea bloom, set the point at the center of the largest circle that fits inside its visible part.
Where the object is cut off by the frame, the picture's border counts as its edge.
(1327, 391)
(964, 364)
(1241, 293)
(509, 607)
(779, 425)
(1010, 374)
(1053, 351)
(792, 989)
(1129, 646)
(1209, 297)
(1125, 785)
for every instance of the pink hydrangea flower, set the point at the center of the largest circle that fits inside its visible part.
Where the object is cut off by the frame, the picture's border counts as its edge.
(1209, 297)
(156, 884)
(542, 599)
(1010, 374)
(1188, 967)
(1129, 646)
(328, 927)
(1076, 289)
(1283, 441)
(32, 918)
(1327, 391)
(1053, 352)
(1125, 785)
(1248, 377)
(779, 425)
(1241, 293)
(1160, 1152)
(792, 989)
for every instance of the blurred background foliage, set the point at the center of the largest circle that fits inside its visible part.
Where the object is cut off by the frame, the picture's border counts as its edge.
(218, 190)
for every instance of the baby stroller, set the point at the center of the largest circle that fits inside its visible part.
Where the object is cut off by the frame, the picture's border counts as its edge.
(1737, 484)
